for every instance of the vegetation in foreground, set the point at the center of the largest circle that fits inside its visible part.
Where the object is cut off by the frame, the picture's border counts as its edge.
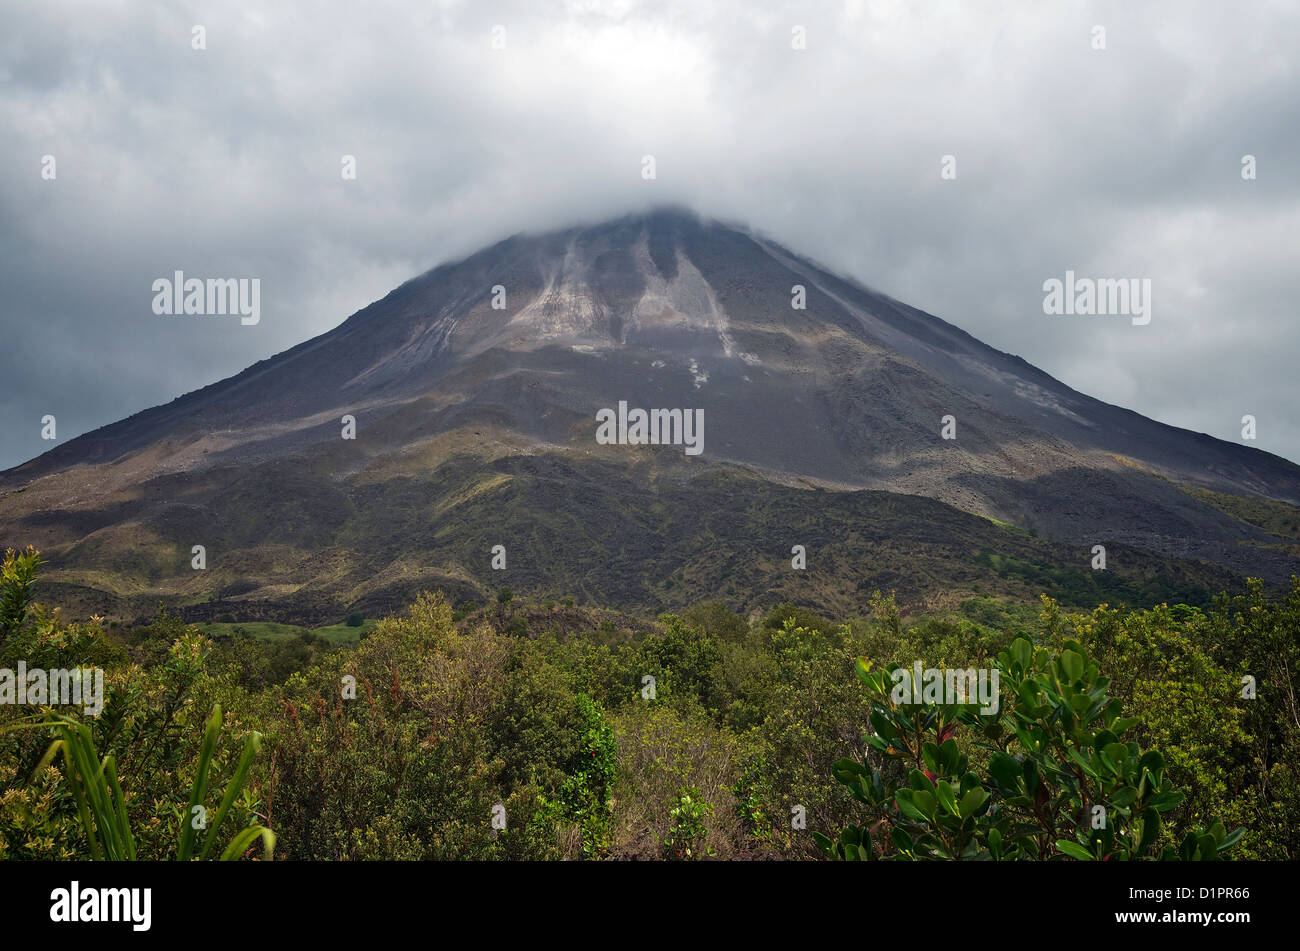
(450, 735)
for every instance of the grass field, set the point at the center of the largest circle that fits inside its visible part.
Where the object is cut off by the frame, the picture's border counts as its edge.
(274, 631)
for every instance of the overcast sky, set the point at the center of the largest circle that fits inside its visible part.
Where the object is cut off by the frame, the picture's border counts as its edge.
(226, 162)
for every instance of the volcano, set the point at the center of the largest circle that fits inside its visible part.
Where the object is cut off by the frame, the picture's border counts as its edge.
(460, 413)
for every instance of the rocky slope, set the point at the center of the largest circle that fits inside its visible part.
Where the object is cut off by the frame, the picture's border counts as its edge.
(490, 371)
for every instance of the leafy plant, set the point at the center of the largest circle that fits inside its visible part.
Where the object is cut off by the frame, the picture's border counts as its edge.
(752, 789)
(584, 796)
(685, 839)
(1060, 780)
(17, 583)
(102, 807)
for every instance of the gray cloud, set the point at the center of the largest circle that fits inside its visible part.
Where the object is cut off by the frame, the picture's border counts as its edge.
(225, 162)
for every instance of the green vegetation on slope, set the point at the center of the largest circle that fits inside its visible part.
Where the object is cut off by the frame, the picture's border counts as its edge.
(275, 631)
(656, 535)
(1276, 518)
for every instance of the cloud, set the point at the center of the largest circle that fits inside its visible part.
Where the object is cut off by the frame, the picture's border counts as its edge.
(1122, 162)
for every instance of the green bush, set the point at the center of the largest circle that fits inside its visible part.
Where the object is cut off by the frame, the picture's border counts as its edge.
(402, 745)
(685, 839)
(101, 804)
(1060, 781)
(584, 797)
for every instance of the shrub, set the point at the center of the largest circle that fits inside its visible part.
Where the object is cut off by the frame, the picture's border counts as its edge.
(686, 832)
(584, 798)
(1060, 781)
(101, 804)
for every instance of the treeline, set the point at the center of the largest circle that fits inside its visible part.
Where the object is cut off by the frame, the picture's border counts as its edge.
(439, 736)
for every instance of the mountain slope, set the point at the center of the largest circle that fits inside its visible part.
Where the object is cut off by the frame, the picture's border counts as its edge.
(661, 310)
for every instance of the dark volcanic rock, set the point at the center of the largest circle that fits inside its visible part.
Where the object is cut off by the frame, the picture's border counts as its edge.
(661, 310)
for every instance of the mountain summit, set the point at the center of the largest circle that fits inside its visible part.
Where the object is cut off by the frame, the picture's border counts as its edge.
(478, 376)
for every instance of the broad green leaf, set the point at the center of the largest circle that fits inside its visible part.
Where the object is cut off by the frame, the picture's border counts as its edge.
(1074, 850)
(944, 793)
(1072, 664)
(971, 802)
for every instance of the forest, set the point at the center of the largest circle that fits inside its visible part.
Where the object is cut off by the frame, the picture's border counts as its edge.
(550, 730)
